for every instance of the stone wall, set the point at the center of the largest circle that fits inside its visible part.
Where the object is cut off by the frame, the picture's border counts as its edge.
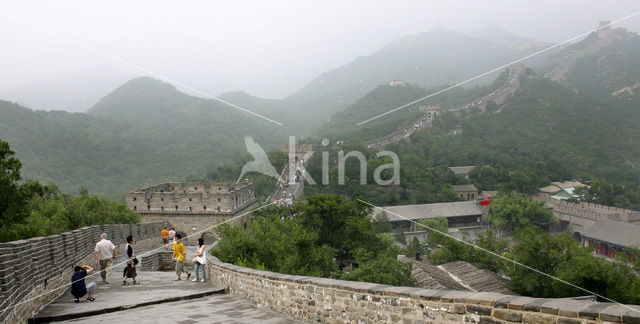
(36, 271)
(158, 261)
(582, 215)
(339, 301)
(196, 223)
(191, 197)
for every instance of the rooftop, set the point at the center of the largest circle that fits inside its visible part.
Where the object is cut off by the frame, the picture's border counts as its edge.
(462, 188)
(618, 233)
(456, 275)
(462, 169)
(422, 211)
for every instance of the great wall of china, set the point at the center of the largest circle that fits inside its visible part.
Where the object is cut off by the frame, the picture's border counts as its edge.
(498, 96)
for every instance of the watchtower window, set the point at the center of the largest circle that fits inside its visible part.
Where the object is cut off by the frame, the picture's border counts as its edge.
(218, 199)
(204, 207)
(148, 207)
(176, 207)
(134, 198)
(218, 208)
(162, 208)
(189, 208)
(161, 199)
(196, 188)
(189, 199)
(173, 188)
(135, 207)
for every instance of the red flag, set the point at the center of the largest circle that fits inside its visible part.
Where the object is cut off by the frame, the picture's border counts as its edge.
(486, 202)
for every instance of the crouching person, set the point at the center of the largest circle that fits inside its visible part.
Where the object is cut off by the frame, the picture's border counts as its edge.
(78, 287)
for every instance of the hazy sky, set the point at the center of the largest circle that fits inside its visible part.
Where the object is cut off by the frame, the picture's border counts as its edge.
(267, 48)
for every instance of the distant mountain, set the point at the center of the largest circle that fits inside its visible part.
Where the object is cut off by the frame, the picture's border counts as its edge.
(499, 36)
(74, 93)
(427, 59)
(606, 64)
(142, 133)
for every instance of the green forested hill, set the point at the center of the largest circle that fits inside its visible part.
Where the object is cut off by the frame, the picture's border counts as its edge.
(545, 128)
(343, 124)
(428, 59)
(543, 133)
(605, 65)
(142, 133)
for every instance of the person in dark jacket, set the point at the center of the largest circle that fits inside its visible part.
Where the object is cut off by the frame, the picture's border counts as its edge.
(78, 287)
(132, 261)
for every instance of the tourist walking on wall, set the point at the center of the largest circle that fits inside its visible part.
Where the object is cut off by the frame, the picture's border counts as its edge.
(200, 260)
(180, 256)
(105, 254)
(165, 238)
(132, 261)
(78, 286)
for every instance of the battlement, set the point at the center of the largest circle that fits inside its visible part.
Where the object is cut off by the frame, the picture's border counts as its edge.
(339, 301)
(191, 198)
(33, 270)
(590, 210)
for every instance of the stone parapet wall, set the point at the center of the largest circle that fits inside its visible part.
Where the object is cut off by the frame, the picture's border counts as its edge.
(196, 224)
(32, 271)
(158, 261)
(590, 211)
(339, 301)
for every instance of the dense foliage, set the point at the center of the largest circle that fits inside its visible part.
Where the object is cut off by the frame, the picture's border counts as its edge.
(30, 209)
(509, 211)
(318, 238)
(625, 195)
(557, 256)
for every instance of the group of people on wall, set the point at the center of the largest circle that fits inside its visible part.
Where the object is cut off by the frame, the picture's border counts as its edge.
(105, 255)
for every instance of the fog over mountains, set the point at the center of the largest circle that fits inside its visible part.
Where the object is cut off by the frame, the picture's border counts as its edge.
(147, 131)
(431, 58)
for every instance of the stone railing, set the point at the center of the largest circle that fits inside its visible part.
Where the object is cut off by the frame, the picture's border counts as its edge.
(590, 211)
(158, 261)
(339, 301)
(34, 272)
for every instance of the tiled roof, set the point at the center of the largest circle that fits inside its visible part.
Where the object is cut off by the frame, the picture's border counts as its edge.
(462, 169)
(422, 211)
(467, 187)
(618, 233)
(456, 275)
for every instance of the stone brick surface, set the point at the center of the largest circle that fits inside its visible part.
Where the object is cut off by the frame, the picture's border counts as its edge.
(329, 300)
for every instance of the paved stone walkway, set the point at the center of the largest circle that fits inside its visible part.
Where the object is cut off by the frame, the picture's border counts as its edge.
(158, 299)
(211, 309)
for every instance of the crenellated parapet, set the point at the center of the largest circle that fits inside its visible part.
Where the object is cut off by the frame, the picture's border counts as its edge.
(36, 271)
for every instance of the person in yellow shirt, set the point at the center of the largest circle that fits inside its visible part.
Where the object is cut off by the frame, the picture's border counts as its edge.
(165, 237)
(180, 256)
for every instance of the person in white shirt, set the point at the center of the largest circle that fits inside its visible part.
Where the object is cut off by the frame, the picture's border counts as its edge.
(105, 254)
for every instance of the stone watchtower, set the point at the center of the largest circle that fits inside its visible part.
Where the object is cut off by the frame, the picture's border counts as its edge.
(192, 206)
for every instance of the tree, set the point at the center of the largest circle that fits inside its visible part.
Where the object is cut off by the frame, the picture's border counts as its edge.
(433, 237)
(626, 195)
(563, 258)
(344, 225)
(9, 181)
(510, 211)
